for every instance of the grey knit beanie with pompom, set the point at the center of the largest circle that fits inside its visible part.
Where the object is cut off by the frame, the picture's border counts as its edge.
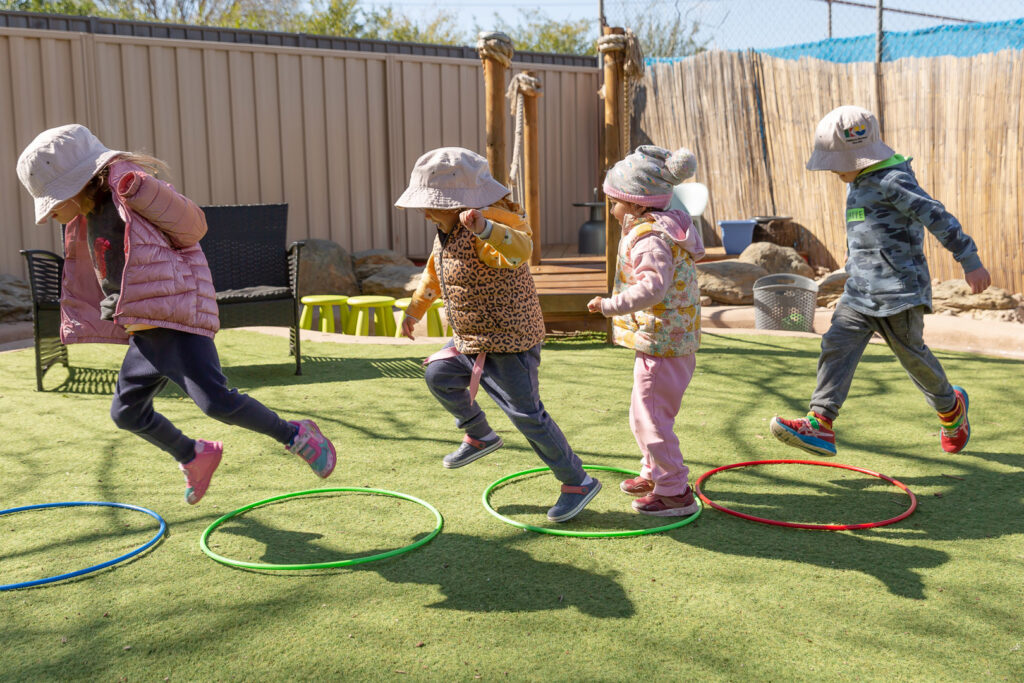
(647, 176)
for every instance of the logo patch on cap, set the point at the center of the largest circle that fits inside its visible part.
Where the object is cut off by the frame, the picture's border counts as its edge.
(855, 134)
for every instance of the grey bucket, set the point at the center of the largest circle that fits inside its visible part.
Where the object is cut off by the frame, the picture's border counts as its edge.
(785, 302)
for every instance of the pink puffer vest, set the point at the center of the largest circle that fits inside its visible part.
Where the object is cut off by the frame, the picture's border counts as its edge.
(166, 280)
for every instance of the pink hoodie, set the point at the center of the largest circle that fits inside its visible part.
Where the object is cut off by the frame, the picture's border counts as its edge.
(166, 280)
(652, 263)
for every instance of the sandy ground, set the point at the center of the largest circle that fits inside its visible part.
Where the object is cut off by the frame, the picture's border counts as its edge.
(948, 333)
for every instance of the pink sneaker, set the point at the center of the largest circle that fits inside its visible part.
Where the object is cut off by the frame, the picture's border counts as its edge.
(314, 448)
(638, 486)
(200, 469)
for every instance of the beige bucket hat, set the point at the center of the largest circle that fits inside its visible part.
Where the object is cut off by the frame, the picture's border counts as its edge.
(58, 164)
(451, 178)
(847, 139)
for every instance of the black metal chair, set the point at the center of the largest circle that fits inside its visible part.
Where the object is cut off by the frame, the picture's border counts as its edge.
(44, 276)
(255, 272)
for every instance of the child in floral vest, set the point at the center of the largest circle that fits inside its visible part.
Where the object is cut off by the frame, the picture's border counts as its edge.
(479, 266)
(656, 311)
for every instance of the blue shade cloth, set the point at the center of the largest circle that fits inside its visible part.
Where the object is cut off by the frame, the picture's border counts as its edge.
(959, 40)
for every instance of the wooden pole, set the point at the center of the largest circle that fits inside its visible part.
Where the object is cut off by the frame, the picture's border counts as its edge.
(531, 163)
(494, 105)
(613, 108)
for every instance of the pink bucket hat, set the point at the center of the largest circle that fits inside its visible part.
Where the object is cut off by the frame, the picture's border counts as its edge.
(847, 140)
(451, 178)
(646, 177)
(58, 164)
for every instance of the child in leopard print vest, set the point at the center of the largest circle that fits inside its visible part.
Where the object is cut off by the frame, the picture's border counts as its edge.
(656, 311)
(479, 266)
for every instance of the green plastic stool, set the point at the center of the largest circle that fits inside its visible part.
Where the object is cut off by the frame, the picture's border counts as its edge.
(324, 303)
(434, 327)
(371, 305)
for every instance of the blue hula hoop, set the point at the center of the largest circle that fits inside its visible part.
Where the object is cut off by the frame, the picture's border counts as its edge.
(94, 568)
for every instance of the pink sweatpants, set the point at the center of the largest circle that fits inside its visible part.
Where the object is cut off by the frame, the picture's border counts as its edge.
(658, 386)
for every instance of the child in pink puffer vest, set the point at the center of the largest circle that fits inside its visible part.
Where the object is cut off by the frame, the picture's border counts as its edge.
(134, 274)
(656, 311)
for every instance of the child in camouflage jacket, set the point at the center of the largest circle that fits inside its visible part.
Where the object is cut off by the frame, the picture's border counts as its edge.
(889, 287)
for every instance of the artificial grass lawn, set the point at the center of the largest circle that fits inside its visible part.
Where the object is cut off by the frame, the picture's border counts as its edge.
(935, 597)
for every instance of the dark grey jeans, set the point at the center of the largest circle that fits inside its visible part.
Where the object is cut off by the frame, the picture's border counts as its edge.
(511, 380)
(844, 343)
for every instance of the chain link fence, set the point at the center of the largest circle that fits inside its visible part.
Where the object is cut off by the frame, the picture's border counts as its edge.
(832, 30)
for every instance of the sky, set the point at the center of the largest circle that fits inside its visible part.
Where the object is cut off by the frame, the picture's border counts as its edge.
(728, 24)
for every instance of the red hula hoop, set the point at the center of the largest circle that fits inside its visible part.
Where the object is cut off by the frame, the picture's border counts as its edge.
(823, 527)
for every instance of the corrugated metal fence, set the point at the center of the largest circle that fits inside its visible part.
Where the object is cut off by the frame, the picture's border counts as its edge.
(750, 119)
(333, 133)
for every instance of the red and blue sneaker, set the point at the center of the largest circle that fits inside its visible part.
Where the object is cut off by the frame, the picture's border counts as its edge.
(955, 434)
(812, 433)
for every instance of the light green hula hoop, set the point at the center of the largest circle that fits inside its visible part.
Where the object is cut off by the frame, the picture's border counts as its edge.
(585, 534)
(319, 565)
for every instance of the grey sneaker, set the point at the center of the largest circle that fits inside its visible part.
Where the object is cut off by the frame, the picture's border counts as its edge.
(573, 500)
(471, 449)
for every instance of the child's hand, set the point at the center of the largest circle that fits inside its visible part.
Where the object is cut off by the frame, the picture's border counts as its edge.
(473, 220)
(594, 305)
(408, 322)
(978, 279)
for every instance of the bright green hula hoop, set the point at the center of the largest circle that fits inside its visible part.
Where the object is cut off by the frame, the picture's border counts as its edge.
(319, 565)
(584, 534)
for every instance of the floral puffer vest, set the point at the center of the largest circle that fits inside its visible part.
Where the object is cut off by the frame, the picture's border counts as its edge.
(671, 327)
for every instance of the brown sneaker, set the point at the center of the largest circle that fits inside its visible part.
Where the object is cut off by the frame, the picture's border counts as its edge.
(667, 506)
(637, 486)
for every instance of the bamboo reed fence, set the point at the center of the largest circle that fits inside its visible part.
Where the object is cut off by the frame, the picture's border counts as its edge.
(750, 120)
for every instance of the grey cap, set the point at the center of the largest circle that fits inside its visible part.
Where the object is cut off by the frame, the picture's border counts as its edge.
(58, 164)
(451, 178)
(847, 139)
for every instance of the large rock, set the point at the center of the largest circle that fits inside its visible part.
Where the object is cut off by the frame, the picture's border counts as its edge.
(955, 295)
(729, 282)
(368, 262)
(15, 299)
(776, 259)
(326, 269)
(397, 281)
(831, 287)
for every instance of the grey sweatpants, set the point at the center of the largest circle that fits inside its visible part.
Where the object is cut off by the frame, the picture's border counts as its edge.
(511, 380)
(844, 343)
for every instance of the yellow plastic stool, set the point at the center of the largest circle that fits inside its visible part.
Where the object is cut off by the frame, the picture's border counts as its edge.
(325, 304)
(367, 305)
(434, 327)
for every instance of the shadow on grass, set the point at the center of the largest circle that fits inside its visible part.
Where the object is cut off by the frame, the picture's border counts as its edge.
(978, 503)
(316, 370)
(475, 574)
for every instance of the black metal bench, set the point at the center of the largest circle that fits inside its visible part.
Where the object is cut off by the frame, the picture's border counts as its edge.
(255, 272)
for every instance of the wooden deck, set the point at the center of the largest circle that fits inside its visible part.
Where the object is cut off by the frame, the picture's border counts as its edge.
(566, 281)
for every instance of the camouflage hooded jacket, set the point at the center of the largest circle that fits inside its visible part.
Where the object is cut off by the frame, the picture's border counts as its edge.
(886, 214)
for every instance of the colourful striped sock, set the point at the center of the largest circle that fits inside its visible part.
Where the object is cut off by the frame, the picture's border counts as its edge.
(818, 420)
(953, 417)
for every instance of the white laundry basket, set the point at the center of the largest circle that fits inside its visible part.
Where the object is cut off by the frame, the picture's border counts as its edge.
(785, 302)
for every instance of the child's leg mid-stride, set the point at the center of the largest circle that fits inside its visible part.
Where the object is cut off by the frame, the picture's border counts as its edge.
(190, 361)
(658, 387)
(841, 349)
(511, 380)
(904, 333)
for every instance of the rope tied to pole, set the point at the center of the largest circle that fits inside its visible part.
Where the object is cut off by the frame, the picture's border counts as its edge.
(521, 86)
(632, 71)
(495, 45)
